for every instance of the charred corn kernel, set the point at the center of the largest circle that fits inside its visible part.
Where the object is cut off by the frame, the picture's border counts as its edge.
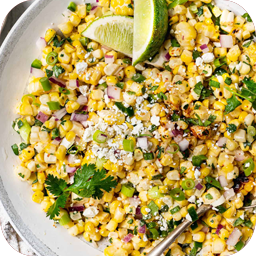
(66, 28)
(72, 106)
(38, 197)
(129, 71)
(61, 153)
(50, 33)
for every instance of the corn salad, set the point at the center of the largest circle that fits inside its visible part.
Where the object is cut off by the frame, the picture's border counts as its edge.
(172, 138)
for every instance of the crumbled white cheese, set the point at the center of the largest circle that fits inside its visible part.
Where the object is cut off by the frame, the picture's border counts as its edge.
(197, 174)
(192, 199)
(208, 57)
(199, 61)
(91, 212)
(155, 120)
(84, 90)
(81, 67)
(238, 66)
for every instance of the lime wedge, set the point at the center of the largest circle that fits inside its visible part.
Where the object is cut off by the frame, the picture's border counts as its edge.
(114, 31)
(150, 28)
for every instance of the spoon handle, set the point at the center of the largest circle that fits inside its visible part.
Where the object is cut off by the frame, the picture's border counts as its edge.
(166, 243)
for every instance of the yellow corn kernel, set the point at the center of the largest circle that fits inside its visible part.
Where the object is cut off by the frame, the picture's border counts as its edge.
(37, 186)
(66, 28)
(174, 19)
(199, 237)
(111, 80)
(186, 57)
(112, 225)
(90, 228)
(41, 177)
(75, 19)
(220, 52)
(70, 136)
(218, 106)
(69, 48)
(61, 153)
(129, 71)
(38, 197)
(27, 154)
(72, 106)
(50, 33)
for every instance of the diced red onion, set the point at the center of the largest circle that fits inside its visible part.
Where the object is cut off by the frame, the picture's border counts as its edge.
(97, 1)
(41, 43)
(183, 144)
(85, 108)
(177, 132)
(37, 73)
(142, 229)
(239, 155)
(223, 181)
(229, 193)
(205, 229)
(167, 56)
(57, 81)
(234, 237)
(79, 208)
(226, 41)
(71, 158)
(93, 10)
(138, 214)
(221, 142)
(199, 186)
(70, 169)
(143, 142)
(109, 59)
(57, 141)
(113, 92)
(219, 228)
(79, 117)
(134, 201)
(204, 48)
(42, 117)
(60, 113)
(82, 100)
(128, 238)
(73, 84)
(178, 138)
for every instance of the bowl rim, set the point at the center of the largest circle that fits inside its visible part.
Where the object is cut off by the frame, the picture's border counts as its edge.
(5, 51)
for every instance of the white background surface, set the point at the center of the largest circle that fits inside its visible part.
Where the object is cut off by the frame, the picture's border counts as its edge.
(6, 6)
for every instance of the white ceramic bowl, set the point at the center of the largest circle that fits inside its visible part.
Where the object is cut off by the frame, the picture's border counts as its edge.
(16, 56)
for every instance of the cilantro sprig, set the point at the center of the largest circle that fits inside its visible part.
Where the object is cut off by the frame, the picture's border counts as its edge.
(88, 182)
(199, 122)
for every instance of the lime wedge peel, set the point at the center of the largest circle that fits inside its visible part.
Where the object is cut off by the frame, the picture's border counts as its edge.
(114, 31)
(150, 28)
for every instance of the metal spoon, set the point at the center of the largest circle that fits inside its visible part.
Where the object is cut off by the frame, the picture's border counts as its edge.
(166, 243)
